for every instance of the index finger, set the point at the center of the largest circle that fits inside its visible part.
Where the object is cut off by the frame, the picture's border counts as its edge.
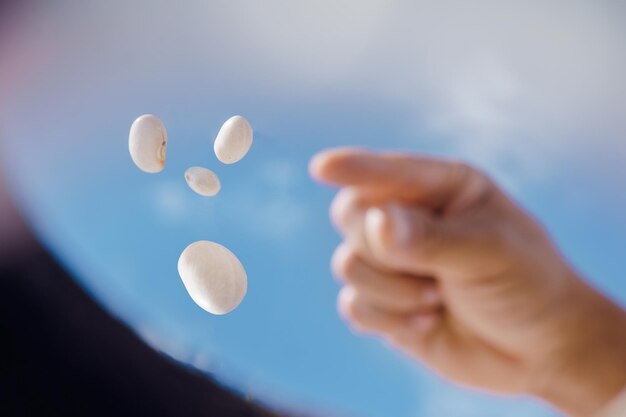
(401, 175)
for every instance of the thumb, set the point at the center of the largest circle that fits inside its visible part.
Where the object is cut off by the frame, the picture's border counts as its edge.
(416, 241)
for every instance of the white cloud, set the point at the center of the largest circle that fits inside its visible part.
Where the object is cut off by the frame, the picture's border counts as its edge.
(520, 87)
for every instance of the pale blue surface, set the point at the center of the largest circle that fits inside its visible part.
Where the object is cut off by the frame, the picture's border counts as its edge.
(122, 231)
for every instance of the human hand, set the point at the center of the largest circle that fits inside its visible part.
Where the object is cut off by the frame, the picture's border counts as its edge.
(440, 262)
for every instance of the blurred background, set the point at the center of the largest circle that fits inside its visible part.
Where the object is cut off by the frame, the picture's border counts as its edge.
(532, 92)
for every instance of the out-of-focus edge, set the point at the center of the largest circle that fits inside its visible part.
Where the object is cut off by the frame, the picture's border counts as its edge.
(616, 408)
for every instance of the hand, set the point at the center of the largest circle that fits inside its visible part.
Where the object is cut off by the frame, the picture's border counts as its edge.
(440, 262)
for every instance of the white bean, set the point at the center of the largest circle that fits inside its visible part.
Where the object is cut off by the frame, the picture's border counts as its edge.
(147, 143)
(213, 276)
(203, 181)
(233, 141)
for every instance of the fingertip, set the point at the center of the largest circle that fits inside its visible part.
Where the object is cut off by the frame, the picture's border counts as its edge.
(317, 164)
(328, 165)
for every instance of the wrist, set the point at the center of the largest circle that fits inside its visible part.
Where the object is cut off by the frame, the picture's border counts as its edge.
(587, 369)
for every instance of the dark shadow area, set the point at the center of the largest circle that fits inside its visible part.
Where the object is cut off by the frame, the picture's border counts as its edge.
(62, 354)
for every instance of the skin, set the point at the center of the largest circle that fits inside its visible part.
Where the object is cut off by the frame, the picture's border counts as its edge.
(441, 263)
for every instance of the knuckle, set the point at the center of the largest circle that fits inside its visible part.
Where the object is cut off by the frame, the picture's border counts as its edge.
(482, 190)
(343, 207)
(411, 301)
(345, 262)
(464, 175)
(471, 190)
(351, 311)
(398, 337)
(460, 172)
(359, 316)
(425, 239)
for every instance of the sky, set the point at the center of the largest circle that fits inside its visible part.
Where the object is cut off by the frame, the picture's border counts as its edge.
(533, 93)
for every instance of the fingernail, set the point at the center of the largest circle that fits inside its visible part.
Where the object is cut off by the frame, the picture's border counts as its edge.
(400, 224)
(388, 223)
(375, 230)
